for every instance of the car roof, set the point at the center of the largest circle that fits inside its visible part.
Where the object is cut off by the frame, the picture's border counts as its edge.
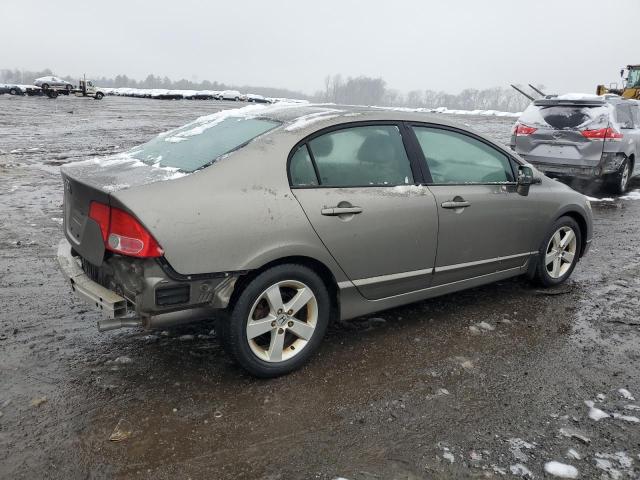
(297, 117)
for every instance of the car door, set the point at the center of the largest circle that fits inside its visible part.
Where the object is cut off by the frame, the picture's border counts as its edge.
(484, 224)
(359, 190)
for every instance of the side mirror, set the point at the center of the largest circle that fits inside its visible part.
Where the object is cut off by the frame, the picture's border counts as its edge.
(525, 179)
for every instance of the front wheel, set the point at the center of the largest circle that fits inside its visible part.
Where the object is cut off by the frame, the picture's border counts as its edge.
(278, 321)
(13, 91)
(559, 252)
(99, 96)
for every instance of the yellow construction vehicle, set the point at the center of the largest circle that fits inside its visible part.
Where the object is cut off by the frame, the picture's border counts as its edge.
(631, 85)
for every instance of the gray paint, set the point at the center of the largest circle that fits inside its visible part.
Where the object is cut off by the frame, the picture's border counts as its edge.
(240, 214)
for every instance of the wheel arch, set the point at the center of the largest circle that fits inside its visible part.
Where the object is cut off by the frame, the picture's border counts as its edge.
(582, 224)
(323, 271)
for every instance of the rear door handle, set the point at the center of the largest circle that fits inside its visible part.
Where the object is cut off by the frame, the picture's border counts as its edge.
(335, 211)
(456, 204)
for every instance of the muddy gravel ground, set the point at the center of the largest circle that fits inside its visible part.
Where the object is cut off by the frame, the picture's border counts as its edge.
(489, 383)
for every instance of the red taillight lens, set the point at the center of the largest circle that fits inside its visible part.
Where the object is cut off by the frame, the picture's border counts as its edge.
(522, 130)
(122, 233)
(101, 214)
(602, 134)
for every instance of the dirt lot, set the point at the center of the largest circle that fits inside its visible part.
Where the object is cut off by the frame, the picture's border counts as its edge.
(409, 393)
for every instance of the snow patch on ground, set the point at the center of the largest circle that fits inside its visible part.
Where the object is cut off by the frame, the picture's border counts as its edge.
(520, 470)
(606, 199)
(626, 418)
(606, 462)
(516, 445)
(573, 454)
(633, 195)
(595, 413)
(626, 394)
(561, 470)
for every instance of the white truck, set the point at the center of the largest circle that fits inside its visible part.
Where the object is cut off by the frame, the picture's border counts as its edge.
(86, 88)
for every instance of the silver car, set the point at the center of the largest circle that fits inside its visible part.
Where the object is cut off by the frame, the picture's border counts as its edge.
(276, 220)
(52, 81)
(590, 138)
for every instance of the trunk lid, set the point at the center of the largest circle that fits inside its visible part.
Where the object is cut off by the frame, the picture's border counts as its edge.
(558, 137)
(94, 181)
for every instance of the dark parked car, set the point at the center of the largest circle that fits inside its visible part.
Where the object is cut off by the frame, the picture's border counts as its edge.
(582, 137)
(276, 220)
(11, 89)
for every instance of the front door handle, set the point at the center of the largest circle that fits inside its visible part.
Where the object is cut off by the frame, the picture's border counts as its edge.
(456, 204)
(335, 211)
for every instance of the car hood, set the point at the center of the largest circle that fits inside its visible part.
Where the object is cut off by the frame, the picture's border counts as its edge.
(118, 172)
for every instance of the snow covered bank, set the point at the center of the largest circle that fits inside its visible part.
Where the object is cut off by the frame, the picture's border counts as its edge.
(209, 94)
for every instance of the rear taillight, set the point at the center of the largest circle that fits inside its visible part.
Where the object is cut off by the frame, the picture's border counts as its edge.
(522, 130)
(122, 233)
(609, 134)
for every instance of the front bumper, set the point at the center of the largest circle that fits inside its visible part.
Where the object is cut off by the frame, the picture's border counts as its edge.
(103, 299)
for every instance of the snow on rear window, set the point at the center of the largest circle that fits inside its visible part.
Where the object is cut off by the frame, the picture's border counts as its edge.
(195, 146)
(566, 117)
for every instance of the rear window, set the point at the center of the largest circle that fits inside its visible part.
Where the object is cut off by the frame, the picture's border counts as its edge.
(566, 117)
(197, 145)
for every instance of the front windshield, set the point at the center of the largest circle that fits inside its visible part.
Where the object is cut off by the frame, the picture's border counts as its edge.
(197, 145)
(633, 80)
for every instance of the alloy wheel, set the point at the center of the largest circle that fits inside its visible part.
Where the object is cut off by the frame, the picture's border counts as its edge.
(561, 252)
(282, 320)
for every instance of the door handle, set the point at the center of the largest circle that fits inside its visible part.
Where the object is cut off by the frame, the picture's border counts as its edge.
(456, 204)
(335, 211)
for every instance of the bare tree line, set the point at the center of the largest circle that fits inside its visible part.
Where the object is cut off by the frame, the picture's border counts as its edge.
(373, 91)
(360, 90)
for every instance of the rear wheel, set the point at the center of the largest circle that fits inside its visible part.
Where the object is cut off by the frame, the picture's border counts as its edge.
(559, 252)
(619, 181)
(45, 86)
(278, 321)
(68, 87)
(13, 91)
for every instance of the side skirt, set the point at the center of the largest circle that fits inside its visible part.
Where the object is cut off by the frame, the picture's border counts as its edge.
(352, 304)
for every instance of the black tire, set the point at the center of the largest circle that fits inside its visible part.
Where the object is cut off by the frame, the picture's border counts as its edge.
(45, 86)
(68, 87)
(619, 182)
(542, 276)
(52, 94)
(13, 91)
(99, 96)
(234, 337)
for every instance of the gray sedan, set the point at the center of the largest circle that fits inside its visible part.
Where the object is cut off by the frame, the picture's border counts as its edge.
(276, 220)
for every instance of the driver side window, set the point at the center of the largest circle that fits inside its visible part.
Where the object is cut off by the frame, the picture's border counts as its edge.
(455, 158)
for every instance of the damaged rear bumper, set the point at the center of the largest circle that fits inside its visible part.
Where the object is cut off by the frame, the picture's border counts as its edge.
(103, 299)
(133, 292)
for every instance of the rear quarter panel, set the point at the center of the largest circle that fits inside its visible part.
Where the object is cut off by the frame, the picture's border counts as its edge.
(237, 214)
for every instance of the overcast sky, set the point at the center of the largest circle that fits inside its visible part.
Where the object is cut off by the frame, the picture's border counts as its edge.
(568, 45)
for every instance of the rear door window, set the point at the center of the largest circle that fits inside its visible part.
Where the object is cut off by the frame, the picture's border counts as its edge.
(455, 158)
(635, 111)
(200, 143)
(301, 169)
(623, 115)
(361, 156)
